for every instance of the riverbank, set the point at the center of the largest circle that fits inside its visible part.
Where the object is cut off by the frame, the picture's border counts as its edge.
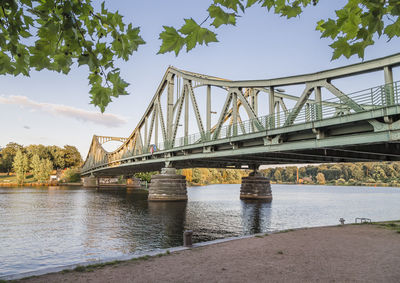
(358, 184)
(40, 184)
(368, 253)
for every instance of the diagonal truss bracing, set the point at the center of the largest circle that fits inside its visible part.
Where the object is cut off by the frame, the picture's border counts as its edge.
(158, 136)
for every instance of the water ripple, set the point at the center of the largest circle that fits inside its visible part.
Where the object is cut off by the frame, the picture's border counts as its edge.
(47, 228)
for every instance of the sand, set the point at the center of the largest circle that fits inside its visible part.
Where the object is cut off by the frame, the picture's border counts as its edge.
(350, 253)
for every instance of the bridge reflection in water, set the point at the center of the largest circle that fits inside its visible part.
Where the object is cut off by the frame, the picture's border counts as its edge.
(171, 220)
(321, 123)
(138, 222)
(256, 216)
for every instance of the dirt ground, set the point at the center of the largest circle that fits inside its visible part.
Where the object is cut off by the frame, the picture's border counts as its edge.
(362, 253)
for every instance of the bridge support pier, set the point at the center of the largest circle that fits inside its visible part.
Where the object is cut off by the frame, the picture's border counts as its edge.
(167, 186)
(255, 187)
(90, 182)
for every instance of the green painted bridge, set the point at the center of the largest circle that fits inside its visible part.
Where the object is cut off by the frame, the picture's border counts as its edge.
(214, 122)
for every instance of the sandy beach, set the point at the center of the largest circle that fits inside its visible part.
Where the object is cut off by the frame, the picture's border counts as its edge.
(361, 253)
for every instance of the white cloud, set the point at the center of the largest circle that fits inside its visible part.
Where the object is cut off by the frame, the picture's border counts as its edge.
(107, 119)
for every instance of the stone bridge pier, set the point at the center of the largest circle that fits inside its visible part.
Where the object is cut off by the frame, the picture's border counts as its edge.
(255, 187)
(168, 186)
(90, 182)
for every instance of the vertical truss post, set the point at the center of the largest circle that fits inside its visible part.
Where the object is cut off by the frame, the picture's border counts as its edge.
(271, 107)
(389, 94)
(229, 130)
(178, 87)
(139, 143)
(178, 116)
(170, 107)
(308, 113)
(234, 114)
(186, 131)
(156, 127)
(208, 135)
(146, 132)
(254, 100)
(318, 102)
(278, 113)
(254, 104)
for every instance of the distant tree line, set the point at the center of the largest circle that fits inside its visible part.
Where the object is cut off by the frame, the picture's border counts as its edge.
(60, 158)
(206, 176)
(338, 173)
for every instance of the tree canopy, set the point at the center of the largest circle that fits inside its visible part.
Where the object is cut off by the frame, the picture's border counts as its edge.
(338, 173)
(20, 165)
(60, 158)
(352, 30)
(54, 35)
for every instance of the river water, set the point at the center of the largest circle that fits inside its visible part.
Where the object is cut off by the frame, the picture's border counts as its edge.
(49, 227)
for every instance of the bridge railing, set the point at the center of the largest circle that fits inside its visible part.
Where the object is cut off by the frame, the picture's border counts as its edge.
(367, 99)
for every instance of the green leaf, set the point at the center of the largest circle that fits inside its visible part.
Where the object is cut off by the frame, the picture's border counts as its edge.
(101, 96)
(119, 84)
(189, 27)
(251, 3)
(291, 11)
(83, 59)
(94, 78)
(231, 4)
(62, 63)
(328, 28)
(393, 29)
(171, 41)
(220, 16)
(350, 27)
(196, 34)
(268, 3)
(341, 47)
(5, 64)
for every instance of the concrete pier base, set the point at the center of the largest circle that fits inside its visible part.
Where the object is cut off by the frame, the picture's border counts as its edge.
(255, 187)
(90, 182)
(167, 186)
(133, 183)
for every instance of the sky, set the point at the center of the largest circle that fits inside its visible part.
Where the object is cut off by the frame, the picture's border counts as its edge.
(54, 109)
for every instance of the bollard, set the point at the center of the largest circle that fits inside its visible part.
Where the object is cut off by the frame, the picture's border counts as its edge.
(187, 238)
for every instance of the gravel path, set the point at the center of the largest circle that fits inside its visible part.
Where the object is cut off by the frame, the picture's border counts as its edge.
(362, 253)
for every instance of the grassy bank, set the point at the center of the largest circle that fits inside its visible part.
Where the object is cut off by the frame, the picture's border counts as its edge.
(11, 181)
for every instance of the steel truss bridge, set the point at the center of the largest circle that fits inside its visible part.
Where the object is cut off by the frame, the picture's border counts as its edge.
(341, 127)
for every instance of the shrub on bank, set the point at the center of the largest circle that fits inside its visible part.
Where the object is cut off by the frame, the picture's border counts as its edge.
(71, 175)
(340, 181)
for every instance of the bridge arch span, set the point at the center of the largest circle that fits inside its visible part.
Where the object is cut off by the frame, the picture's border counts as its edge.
(361, 126)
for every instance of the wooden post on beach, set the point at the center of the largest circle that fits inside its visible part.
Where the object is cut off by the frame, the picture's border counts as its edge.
(187, 238)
